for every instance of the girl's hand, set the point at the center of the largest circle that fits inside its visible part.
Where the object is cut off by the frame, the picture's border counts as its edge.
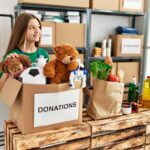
(13, 55)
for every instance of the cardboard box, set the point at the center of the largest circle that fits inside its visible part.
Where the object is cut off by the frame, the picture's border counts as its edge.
(130, 69)
(69, 3)
(80, 57)
(127, 45)
(132, 5)
(70, 33)
(35, 108)
(105, 4)
(48, 34)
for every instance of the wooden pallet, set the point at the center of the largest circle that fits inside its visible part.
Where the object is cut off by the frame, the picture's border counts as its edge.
(69, 138)
(122, 132)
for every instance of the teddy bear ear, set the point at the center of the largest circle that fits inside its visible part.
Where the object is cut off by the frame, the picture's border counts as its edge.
(56, 49)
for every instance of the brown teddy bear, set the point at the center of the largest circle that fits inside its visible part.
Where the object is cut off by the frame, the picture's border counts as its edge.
(58, 70)
(14, 66)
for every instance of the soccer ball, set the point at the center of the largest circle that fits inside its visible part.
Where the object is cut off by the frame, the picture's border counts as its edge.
(33, 75)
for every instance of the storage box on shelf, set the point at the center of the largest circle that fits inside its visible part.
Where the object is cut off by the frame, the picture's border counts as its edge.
(132, 6)
(105, 5)
(127, 45)
(48, 34)
(70, 33)
(58, 33)
(125, 132)
(69, 3)
(130, 69)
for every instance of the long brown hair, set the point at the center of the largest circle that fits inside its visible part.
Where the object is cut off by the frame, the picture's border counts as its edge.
(18, 33)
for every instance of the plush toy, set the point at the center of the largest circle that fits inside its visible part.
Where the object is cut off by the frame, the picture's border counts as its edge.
(14, 66)
(58, 70)
(78, 75)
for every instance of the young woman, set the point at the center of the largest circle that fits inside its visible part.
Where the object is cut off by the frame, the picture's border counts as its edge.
(25, 38)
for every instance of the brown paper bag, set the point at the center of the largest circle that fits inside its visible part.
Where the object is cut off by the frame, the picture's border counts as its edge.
(106, 99)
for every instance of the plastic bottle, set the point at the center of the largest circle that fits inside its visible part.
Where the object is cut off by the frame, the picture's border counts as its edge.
(146, 90)
(133, 91)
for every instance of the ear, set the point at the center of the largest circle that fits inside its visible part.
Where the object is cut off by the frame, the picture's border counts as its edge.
(56, 49)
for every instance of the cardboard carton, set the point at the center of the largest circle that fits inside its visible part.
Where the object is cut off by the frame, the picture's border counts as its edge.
(132, 6)
(70, 33)
(105, 4)
(48, 34)
(69, 3)
(35, 108)
(127, 45)
(130, 69)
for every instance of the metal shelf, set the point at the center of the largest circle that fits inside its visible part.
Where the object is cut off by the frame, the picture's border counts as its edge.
(118, 59)
(48, 7)
(116, 13)
(50, 50)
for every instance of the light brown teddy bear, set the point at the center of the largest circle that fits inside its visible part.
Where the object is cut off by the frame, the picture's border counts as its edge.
(14, 66)
(58, 70)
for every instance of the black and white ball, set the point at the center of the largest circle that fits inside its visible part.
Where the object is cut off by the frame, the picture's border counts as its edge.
(32, 75)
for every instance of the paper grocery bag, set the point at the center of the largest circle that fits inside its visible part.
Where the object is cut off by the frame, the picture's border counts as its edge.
(106, 99)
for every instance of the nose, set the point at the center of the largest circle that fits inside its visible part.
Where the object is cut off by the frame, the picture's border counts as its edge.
(71, 58)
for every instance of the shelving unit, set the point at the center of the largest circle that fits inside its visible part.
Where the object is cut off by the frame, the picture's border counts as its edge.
(133, 16)
(88, 46)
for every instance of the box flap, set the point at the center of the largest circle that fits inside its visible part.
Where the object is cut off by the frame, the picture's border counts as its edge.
(10, 91)
(3, 79)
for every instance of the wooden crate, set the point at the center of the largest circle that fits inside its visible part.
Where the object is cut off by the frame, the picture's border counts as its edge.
(122, 132)
(67, 138)
(125, 132)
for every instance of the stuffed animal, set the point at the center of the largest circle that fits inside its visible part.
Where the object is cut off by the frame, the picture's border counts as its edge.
(78, 75)
(14, 66)
(58, 70)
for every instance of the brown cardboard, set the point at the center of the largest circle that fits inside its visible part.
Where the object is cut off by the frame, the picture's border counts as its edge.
(70, 3)
(9, 93)
(80, 57)
(131, 10)
(130, 69)
(51, 25)
(116, 44)
(3, 80)
(70, 33)
(105, 4)
(22, 113)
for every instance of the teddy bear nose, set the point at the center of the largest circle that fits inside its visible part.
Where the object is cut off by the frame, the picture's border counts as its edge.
(71, 58)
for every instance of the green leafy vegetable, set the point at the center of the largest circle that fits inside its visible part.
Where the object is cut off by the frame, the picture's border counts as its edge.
(100, 70)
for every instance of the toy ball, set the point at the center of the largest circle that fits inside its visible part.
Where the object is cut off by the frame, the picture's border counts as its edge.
(32, 75)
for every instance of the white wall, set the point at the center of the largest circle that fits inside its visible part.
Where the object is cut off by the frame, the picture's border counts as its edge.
(6, 7)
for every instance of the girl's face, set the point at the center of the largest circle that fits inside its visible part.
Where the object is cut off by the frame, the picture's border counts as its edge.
(33, 31)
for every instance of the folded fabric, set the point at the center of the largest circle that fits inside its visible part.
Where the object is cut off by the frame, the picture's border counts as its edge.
(126, 30)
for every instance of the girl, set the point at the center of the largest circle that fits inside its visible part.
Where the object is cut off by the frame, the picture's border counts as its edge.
(25, 38)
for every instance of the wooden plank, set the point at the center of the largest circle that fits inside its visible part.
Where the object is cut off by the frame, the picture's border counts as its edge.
(147, 147)
(101, 140)
(28, 141)
(125, 144)
(81, 144)
(118, 123)
(5, 135)
(9, 125)
(148, 139)
(12, 132)
(148, 128)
